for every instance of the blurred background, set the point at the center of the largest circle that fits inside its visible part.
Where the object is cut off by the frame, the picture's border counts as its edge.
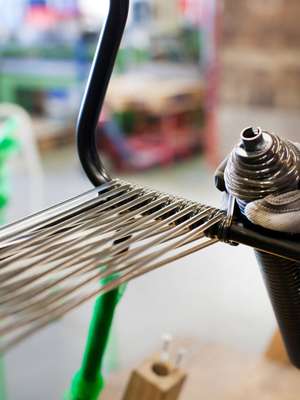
(189, 76)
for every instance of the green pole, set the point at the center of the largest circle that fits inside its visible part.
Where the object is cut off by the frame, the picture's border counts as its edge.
(88, 382)
(2, 381)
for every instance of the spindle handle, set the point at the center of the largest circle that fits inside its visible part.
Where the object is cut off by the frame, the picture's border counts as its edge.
(100, 74)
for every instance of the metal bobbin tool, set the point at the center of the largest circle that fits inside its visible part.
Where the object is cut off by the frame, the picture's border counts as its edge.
(62, 257)
(260, 165)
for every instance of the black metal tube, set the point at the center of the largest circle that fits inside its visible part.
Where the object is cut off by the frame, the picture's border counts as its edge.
(266, 241)
(281, 277)
(96, 88)
(282, 280)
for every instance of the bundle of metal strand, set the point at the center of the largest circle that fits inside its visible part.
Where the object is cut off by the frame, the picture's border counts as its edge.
(54, 261)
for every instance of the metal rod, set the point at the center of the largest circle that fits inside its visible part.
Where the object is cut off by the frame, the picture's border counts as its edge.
(119, 233)
(76, 303)
(269, 242)
(96, 89)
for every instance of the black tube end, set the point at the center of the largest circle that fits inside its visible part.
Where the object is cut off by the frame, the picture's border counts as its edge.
(252, 139)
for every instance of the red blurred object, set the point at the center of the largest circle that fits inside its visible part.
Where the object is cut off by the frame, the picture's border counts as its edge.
(211, 136)
(149, 152)
(172, 138)
(142, 152)
(181, 136)
(183, 5)
(41, 16)
(46, 16)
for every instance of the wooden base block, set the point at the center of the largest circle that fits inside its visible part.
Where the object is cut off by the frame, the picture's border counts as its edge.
(276, 351)
(156, 381)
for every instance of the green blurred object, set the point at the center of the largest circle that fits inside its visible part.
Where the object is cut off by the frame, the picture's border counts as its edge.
(52, 51)
(191, 42)
(131, 56)
(8, 141)
(126, 120)
(2, 381)
(88, 382)
(8, 145)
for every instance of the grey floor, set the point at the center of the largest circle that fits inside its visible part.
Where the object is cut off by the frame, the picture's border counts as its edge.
(216, 296)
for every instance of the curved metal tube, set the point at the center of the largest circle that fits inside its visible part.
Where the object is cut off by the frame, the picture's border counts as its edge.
(96, 88)
(89, 113)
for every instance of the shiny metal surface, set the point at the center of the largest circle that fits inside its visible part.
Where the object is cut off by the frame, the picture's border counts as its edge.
(264, 164)
(272, 168)
(54, 261)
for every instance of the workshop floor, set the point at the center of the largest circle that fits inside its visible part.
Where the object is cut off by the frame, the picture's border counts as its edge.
(216, 296)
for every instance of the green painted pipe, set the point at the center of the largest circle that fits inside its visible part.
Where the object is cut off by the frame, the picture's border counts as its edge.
(2, 381)
(88, 382)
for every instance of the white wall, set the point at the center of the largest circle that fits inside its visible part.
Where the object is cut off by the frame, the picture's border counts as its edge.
(94, 9)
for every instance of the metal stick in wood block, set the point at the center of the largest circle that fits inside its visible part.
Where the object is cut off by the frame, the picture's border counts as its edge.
(157, 378)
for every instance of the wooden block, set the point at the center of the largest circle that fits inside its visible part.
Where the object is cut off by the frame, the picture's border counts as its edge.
(155, 380)
(276, 350)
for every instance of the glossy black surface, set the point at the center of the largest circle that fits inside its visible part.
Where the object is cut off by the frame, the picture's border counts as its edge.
(98, 81)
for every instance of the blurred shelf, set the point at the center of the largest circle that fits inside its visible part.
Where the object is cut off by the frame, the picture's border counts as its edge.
(52, 134)
(35, 74)
(158, 88)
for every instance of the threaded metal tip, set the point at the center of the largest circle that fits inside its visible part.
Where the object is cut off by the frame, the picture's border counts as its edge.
(252, 138)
